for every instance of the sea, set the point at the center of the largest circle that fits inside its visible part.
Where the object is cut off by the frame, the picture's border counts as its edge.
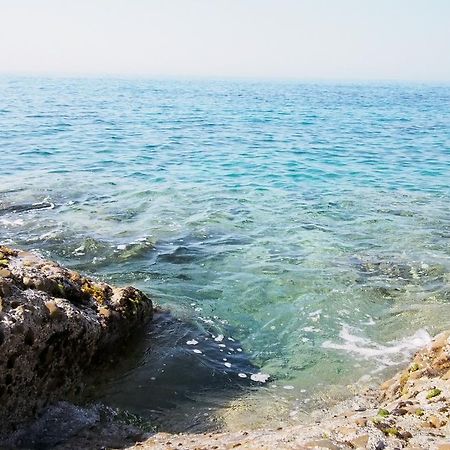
(294, 236)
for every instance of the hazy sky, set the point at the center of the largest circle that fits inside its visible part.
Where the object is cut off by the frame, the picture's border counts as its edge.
(305, 39)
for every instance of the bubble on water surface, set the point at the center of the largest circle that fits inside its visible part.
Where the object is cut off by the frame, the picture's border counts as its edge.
(259, 377)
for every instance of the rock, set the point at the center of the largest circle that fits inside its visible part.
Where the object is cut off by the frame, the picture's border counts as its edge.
(380, 445)
(360, 441)
(53, 309)
(5, 273)
(361, 422)
(54, 330)
(323, 443)
(399, 412)
(346, 431)
(436, 422)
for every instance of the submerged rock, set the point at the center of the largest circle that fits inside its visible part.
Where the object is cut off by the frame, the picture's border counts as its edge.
(55, 326)
(25, 207)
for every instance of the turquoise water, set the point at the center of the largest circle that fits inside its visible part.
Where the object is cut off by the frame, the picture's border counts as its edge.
(307, 222)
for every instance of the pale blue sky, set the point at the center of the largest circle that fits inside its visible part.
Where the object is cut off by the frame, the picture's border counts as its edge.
(304, 39)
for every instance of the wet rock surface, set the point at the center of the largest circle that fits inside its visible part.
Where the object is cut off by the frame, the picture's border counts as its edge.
(56, 326)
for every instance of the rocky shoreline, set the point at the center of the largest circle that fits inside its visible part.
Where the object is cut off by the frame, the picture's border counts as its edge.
(411, 410)
(56, 326)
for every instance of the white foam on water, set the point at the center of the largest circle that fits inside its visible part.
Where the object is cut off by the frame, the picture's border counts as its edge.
(393, 353)
(261, 377)
(16, 222)
(79, 251)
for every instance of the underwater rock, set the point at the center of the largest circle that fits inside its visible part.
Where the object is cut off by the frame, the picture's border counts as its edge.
(55, 326)
(66, 426)
(25, 207)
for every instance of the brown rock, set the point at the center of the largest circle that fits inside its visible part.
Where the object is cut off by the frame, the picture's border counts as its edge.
(5, 273)
(346, 431)
(399, 412)
(360, 441)
(361, 422)
(53, 309)
(436, 422)
(322, 443)
(439, 341)
(104, 312)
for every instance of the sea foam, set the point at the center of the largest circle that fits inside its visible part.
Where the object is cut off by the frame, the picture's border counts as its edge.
(387, 354)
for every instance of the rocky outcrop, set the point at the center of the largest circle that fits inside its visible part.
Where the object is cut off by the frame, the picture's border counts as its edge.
(55, 326)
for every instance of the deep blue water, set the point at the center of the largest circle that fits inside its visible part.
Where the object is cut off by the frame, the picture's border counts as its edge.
(307, 222)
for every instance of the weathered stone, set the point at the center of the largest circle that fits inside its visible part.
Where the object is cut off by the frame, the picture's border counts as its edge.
(322, 443)
(360, 441)
(361, 422)
(5, 273)
(53, 309)
(436, 422)
(53, 330)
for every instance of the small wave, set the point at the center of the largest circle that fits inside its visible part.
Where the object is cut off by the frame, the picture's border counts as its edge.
(17, 222)
(390, 354)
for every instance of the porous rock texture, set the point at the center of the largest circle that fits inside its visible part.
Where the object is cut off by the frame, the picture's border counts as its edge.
(55, 326)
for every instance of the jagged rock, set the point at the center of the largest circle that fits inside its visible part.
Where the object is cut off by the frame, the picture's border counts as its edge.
(55, 325)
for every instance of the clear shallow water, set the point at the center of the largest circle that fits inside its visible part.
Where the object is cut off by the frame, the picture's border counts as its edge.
(309, 223)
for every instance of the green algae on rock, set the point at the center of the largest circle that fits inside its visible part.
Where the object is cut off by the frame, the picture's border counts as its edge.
(55, 326)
